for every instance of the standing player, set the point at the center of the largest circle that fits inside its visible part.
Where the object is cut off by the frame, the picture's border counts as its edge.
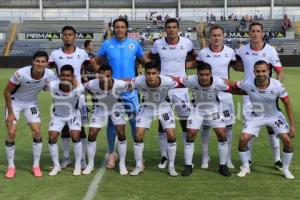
(173, 51)
(264, 93)
(89, 71)
(249, 54)
(154, 90)
(66, 93)
(206, 109)
(108, 104)
(121, 53)
(69, 54)
(21, 96)
(219, 57)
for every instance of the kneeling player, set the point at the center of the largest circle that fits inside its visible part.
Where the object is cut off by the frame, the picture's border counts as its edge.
(264, 92)
(21, 96)
(66, 94)
(106, 91)
(154, 89)
(206, 108)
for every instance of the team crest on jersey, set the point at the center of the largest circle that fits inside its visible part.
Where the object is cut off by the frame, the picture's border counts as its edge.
(226, 55)
(264, 54)
(181, 47)
(131, 46)
(78, 56)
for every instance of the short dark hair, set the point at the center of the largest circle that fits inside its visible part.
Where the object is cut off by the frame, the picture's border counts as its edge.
(256, 24)
(87, 43)
(203, 66)
(214, 27)
(105, 67)
(152, 65)
(40, 54)
(121, 19)
(261, 62)
(171, 20)
(67, 28)
(67, 68)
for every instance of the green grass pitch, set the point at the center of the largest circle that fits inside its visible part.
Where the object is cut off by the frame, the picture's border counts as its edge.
(263, 183)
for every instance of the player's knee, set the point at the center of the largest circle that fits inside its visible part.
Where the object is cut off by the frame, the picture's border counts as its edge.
(172, 140)
(52, 140)
(37, 140)
(121, 137)
(9, 143)
(76, 139)
(92, 138)
(138, 140)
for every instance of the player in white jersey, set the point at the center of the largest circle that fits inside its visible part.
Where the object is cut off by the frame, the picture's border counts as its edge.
(250, 53)
(220, 57)
(173, 52)
(77, 58)
(154, 91)
(108, 104)
(264, 93)
(21, 96)
(66, 93)
(205, 109)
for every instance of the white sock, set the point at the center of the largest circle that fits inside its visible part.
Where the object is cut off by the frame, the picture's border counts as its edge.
(223, 152)
(66, 147)
(244, 158)
(122, 149)
(250, 147)
(162, 137)
(84, 147)
(91, 151)
(37, 150)
(286, 160)
(229, 136)
(138, 153)
(275, 144)
(10, 154)
(78, 153)
(53, 149)
(189, 152)
(183, 138)
(171, 148)
(205, 141)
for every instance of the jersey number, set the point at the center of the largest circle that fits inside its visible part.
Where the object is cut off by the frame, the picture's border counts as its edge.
(279, 123)
(226, 113)
(33, 110)
(166, 116)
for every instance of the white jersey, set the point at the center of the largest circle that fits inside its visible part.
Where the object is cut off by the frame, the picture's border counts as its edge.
(205, 98)
(172, 57)
(250, 57)
(28, 88)
(65, 103)
(76, 59)
(154, 98)
(219, 61)
(108, 100)
(264, 101)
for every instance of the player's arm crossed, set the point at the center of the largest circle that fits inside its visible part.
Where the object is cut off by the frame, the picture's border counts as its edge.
(233, 88)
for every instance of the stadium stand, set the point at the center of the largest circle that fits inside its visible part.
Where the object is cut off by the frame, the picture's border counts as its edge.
(65, 4)
(19, 3)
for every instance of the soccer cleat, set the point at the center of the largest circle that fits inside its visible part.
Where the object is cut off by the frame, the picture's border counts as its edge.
(123, 169)
(188, 169)
(163, 162)
(37, 172)
(278, 165)
(204, 163)
(88, 170)
(11, 171)
(55, 171)
(65, 163)
(111, 160)
(288, 175)
(77, 171)
(223, 170)
(172, 171)
(137, 171)
(230, 164)
(244, 172)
